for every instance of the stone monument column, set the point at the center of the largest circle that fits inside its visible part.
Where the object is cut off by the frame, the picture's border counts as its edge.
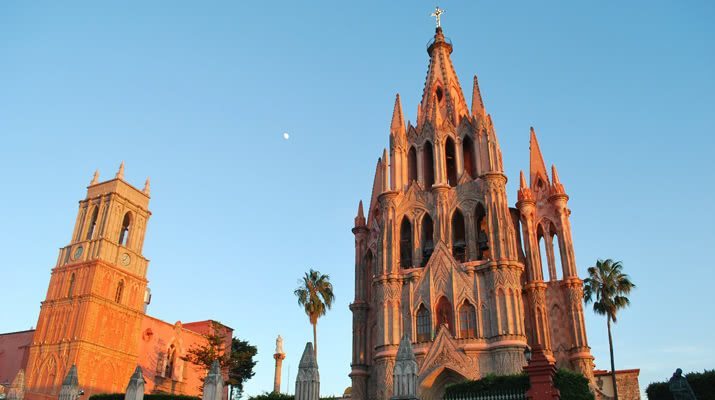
(279, 356)
(307, 383)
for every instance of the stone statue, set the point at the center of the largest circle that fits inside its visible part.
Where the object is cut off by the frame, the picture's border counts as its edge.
(679, 387)
(279, 345)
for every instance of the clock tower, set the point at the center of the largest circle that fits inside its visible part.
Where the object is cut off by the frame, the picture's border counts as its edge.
(92, 314)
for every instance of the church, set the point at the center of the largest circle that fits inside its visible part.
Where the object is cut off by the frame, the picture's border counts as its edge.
(443, 259)
(94, 313)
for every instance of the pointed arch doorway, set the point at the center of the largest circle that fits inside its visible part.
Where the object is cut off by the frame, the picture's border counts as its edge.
(433, 386)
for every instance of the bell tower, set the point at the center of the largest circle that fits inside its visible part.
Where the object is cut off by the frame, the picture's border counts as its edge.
(92, 313)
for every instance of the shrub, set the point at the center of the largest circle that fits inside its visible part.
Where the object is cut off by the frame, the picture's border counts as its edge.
(490, 383)
(283, 396)
(572, 385)
(157, 396)
(272, 396)
(702, 383)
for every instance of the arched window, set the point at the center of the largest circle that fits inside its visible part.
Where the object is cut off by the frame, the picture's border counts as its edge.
(445, 315)
(371, 264)
(70, 291)
(439, 93)
(170, 360)
(481, 229)
(428, 165)
(405, 243)
(411, 165)
(467, 320)
(544, 256)
(124, 233)
(92, 223)
(119, 292)
(558, 260)
(427, 239)
(451, 160)
(459, 244)
(470, 165)
(424, 326)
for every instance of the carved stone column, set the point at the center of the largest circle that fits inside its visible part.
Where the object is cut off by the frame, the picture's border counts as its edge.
(279, 357)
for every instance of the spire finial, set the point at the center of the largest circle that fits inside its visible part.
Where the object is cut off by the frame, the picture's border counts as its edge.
(477, 103)
(558, 188)
(360, 218)
(147, 189)
(437, 14)
(537, 168)
(555, 175)
(120, 173)
(522, 180)
(397, 126)
(95, 178)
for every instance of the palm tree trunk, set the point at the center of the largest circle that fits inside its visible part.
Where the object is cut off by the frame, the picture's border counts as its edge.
(613, 365)
(315, 340)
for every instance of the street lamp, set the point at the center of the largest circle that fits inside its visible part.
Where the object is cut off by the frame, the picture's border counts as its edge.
(527, 354)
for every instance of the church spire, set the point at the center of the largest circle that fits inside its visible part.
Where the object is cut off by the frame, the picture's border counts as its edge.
(537, 168)
(120, 173)
(397, 126)
(558, 188)
(478, 109)
(442, 84)
(360, 219)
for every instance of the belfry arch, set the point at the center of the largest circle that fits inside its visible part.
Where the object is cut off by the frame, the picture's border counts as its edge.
(405, 243)
(428, 164)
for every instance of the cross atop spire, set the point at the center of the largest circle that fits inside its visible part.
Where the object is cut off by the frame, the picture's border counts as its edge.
(437, 14)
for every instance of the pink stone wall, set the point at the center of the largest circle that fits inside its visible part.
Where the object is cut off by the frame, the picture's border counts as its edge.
(156, 338)
(13, 353)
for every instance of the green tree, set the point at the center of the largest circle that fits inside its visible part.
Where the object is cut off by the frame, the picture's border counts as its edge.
(237, 361)
(315, 294)
(240, 368)
(607, 287)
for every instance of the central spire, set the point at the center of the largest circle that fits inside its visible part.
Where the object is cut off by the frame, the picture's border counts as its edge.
(442, 96)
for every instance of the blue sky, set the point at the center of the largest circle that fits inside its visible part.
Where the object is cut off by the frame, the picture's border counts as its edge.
(197, 96)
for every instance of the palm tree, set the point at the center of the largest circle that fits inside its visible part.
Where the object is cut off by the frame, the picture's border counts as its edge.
(315, 294)
(609, 286)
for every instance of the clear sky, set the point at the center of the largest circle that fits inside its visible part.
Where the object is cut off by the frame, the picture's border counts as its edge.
(197, 95)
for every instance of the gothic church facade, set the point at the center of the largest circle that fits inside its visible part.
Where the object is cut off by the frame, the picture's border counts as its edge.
(443, 259)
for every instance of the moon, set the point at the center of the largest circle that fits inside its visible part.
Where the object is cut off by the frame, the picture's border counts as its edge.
(286, 136)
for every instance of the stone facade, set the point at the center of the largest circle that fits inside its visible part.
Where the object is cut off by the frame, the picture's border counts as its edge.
(444, 260)
(94, 313)
(627, 381)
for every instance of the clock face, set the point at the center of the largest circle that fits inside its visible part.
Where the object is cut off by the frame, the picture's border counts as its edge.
(125, 259)
(78, 252)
